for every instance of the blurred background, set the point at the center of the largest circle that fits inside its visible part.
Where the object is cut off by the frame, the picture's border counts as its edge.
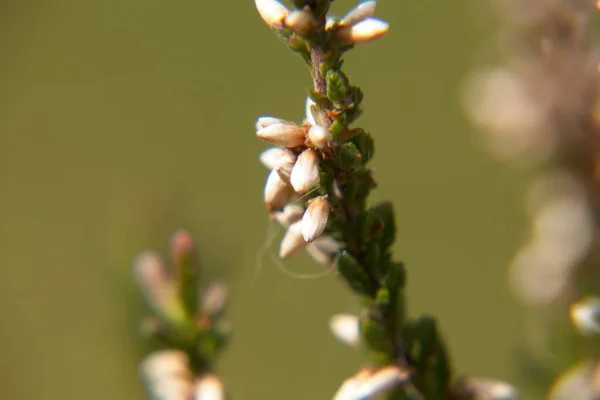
(122, 121)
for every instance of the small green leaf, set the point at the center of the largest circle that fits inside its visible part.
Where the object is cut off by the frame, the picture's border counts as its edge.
(376, 337)
(354, 275)
(337, 86)
(321, 100)
(339, 125)
(365, 144)
(385, 213)
(348, 157)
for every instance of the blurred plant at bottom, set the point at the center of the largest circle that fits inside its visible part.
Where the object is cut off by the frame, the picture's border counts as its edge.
(185, 325)
(538, 108)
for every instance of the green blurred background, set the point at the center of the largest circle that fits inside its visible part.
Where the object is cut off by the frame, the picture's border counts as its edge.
(124, 120)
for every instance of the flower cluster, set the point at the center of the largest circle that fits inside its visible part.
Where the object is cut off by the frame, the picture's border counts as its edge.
(186, 325)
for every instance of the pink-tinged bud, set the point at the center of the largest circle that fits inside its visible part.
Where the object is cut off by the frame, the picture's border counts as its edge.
(300, 22)
(285, 172)
(209, 387)
(276, 156)
(319, 137)
(150, 273)
(182, 245)
(291, 213)
(272, 12)
(214, 298)
(292, 241)
(361, 12)
(305, 174)
(323, 249)
(263, 122)
(315, 218)
(345, 327)
(364, 31)
(284, 135)
(277, 192)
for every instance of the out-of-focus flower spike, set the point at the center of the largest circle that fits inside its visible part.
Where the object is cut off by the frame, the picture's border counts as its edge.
(285, 172)
(319, 137)
(285, 135)
(209, 387)
(301, 22)
(382, 381)
(323, 249)
(276, 156)
(214, 298)
(345, 328)
(585, 315)
(291, 213)
(292, 241)
(277, 192)
(364, 31)
(272, 12)
(305, 174)
(359, 13)
(263, 122)
(315, 218)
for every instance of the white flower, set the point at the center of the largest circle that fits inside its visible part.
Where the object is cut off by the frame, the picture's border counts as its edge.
(292, 241)
(315, 218)
(272, 12)
(277, 192)
(345, 327)
(361, 12)
(276, 156)
(305, 174)
(283, 134)
(365, 31)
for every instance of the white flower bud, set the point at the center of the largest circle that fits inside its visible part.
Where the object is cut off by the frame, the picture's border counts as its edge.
(277, 192)
(272, 12)
(319, 137)
(300, 22)
(364, 31)
(315, 218)
(263, 122)
(382, 381)
(345, 327)
(292, 241)
(150, 273)
(285, 135)
(291, 213)
(276, 156)
(209, 387)
(285, 172)
(310, 115)
(165, 364)
(360, 12)
(172, 389)
(483, 388)
(323, 249)
(305, 174)
(585, 315)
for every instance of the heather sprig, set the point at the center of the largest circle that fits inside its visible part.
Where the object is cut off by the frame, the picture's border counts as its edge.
(318, 188)
(185, 325)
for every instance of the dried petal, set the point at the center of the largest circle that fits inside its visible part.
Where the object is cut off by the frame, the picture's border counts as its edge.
(300, 22)
(277, 192)
(285, 135)
(272, 12)
(285, 172)
(292, 241)
(323, 249)
(305, 174)
(364, 31)
(319, 137)
(345, 327)
(315, 218)
(291, 213)
(276, 156)
(209, 387)
(361, 12)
